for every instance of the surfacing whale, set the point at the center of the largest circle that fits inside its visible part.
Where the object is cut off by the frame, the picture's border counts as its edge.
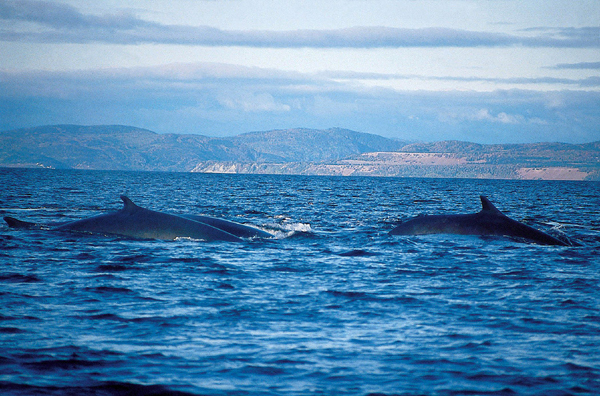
(136, 222)
(489, 221)
(237, 229)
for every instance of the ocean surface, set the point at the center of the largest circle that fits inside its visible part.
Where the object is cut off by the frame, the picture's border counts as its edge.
(332, 305)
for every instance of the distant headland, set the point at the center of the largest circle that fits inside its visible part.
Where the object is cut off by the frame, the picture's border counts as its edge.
(292, 151)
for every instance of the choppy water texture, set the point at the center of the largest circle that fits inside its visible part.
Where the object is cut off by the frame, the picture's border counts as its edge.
(334, 305)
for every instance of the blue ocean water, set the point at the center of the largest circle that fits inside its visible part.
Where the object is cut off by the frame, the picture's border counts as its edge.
(333, 305)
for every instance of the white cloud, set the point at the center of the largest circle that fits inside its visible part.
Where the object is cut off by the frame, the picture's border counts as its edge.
(252, 102)
(578, 66)
(57, 23)
(503, 118)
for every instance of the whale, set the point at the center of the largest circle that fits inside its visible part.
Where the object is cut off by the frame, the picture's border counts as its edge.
(134, 221)
(237, 229)
(488, 221)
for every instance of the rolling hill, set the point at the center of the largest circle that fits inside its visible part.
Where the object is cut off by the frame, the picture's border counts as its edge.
(301, 151)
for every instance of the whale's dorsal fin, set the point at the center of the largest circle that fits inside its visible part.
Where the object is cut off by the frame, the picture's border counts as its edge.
(128, 203)
(487, 206)
(14, 223)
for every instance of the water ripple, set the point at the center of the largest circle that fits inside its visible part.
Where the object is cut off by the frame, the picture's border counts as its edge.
(333, 306)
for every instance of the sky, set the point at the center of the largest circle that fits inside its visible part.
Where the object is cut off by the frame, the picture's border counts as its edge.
(486, 71)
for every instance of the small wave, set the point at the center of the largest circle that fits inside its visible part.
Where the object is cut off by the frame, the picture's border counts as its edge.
(183, 260)
(358, 253)
(113, 268)
(295, 230)
(288, 361)
(137, 258)
(84, 256)
(288, 268)
(18, 278)
(580, 368)
(208, 266)
(348, 294)
(514, 274)
(42, 208)
(11, 330)
(113, 317)
(72, 363)
(282, 231)
(189, 239)
(160, 320)
(263, 370)
(254, 212)
(109, 289)
(476, 345)
(110, 388)
(426, 201)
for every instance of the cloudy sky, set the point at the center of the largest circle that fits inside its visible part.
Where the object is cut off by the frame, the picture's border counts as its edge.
(489, 71)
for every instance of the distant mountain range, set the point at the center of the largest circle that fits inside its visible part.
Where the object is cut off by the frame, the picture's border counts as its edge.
(292, 151)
